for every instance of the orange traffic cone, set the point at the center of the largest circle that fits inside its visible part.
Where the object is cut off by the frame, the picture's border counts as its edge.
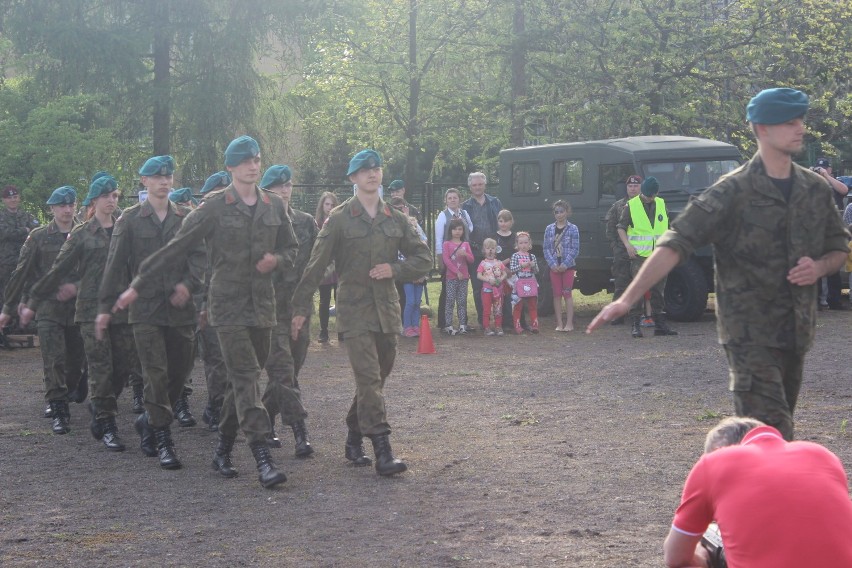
(425, 346)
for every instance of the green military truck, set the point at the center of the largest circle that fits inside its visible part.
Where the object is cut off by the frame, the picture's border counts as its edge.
(591, 177)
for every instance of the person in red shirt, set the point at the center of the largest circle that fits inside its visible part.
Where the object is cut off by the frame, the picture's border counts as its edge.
(777, 503)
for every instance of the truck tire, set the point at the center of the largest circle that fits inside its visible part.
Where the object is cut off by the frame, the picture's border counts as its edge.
(545, 293)
(686, 292)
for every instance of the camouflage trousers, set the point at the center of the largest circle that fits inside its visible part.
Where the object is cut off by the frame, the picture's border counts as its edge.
(62, 357)
(371, 355)
(215, 372)
(245, 350)
(167, 356)
(112, 362)
(286, 357)
(657, 301)
(765, 382)
(6, 271)
(622, 275)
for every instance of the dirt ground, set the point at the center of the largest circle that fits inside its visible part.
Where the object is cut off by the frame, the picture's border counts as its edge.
(557, 449)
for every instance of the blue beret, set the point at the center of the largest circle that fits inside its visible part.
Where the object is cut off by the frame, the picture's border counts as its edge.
(774, 106)
(364, 159)
(396, 184)
(650, 186)
(240, 149)
(275, 175)
(158, 166)
(219, 179)
(101, 186)
(182, 195)
(64, 195)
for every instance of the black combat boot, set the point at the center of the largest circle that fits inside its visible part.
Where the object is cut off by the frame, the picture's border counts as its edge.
(636, 331)
(110, 439)
(211, 418)
(138, 400)
(386, 464)
(300, 433)
(147, 441)
(272, 438)
(268, 474)
(95, 426)
(222, 457)
(661, 327)
(182, 413)
(48, 411)
(323, 336)
(61, 415)
(166, 449)
(355, 449)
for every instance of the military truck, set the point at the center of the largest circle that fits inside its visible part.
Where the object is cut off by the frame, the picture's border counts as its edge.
(591, 177)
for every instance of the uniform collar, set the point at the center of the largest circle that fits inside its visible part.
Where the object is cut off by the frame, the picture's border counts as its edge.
(356, 210)
(147, 209)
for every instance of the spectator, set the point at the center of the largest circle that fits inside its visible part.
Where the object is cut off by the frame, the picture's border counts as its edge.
(457, 255)
(327, 202)
(561, 247)
(452, 199)
(482, 210)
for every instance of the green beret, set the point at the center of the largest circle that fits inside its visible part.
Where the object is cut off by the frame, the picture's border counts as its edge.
(240, 149)
(275, 175)
(158, 166)
(775, 106)
(219, 179)
(99, 174)
(182, 195)
(364, 159)
(65, 195)
(650, 186)
(101, 186)
(396, 184)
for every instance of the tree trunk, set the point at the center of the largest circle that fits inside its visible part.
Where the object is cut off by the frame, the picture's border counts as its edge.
(162, 77)
(519, 75)
(413, 131)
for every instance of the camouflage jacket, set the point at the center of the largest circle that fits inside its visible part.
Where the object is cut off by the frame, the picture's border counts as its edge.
(80, 261)
(37, 256)
(14, 228)
(138, 234)
(356, 243)
(237, 237)
(757, 238)
(612, 218)
(286, 280)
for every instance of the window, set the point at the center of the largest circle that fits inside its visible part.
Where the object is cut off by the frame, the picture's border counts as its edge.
(526, 178)
(690, 176)
(612, 179)
(568, 177)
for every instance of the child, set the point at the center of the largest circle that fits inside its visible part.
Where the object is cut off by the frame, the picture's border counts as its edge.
(524, 267)
(561, 247)
(493, 275)
(505, 239)
(456, 255)
(413, 291)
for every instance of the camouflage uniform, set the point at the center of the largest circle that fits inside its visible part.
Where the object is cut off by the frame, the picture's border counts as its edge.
(286, 356)
(241, 300)
(59, 337)
(765, 323)
(113, 361)
(164, 334)
(621, 272)
(367, 309)
(14, 228)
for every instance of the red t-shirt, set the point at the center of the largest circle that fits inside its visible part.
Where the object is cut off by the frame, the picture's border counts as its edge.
(778, 504)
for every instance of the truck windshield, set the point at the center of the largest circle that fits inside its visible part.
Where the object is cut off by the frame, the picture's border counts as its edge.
(691, 176)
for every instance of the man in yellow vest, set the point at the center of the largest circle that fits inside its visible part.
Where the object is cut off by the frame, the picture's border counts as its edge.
(642, 222)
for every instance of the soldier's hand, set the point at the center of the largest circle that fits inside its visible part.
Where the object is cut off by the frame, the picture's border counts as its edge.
(610, 312)
(66, 292)
(202, 319)
(26, 317)
(296, 326)
(381, 271)
(4, 320)
(267, 263)
(180, 296)
(127, 297)
(101, 325)
(21, 306)
(805, 273)
(631, 251)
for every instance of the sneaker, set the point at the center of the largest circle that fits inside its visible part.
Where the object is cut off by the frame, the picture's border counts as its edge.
(647, 322)
(462, 330)
(490, 332)
(449, 330)
(323, 336)
(500, 331)
(410, 332)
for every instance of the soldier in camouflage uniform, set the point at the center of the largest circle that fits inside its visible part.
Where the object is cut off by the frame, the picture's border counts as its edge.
(286, 355)
(77, 271)
(15, 225)
(215, 372)
(163, 318)
(621, 274)
(59, 337)
(364, 237)
(775, 232)
(248, 235)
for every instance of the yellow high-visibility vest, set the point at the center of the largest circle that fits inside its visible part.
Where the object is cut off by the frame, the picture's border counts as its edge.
(643, 234)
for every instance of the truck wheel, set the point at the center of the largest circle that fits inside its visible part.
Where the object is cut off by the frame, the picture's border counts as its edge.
(686, 292)
(545, 293)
